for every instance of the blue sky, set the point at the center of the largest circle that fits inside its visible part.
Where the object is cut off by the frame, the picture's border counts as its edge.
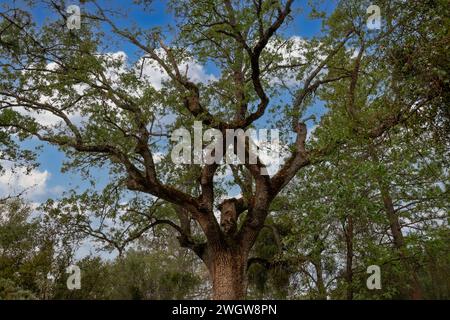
(51, 160)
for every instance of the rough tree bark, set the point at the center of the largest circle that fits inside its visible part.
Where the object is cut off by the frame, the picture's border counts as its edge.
(228, 270)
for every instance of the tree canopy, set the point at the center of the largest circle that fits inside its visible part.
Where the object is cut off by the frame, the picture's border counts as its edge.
(363, 120)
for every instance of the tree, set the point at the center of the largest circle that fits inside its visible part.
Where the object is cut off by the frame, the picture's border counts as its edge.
(409, 179)
(137, 275)
(48, 68)
(31, 250)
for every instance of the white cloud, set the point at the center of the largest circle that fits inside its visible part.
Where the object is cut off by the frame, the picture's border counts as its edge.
(33, 183)
(155, 75)
(292, 52)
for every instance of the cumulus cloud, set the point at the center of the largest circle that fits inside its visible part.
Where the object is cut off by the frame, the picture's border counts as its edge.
(292, 52)
(33, 182)
(155, 75)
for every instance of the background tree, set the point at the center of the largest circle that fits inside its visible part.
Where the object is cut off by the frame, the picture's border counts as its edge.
(32, 252)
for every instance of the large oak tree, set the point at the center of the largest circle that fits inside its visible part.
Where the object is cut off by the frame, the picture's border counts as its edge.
(110, 112)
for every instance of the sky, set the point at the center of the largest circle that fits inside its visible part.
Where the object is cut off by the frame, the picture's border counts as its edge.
(47, 181)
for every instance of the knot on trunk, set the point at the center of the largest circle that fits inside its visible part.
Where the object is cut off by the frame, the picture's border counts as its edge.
(228, 216)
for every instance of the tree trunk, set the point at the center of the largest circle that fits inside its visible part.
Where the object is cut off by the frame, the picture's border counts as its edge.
(349, 259)
(228, 272)
(415, 291)
(399, 243)
(322, 291)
